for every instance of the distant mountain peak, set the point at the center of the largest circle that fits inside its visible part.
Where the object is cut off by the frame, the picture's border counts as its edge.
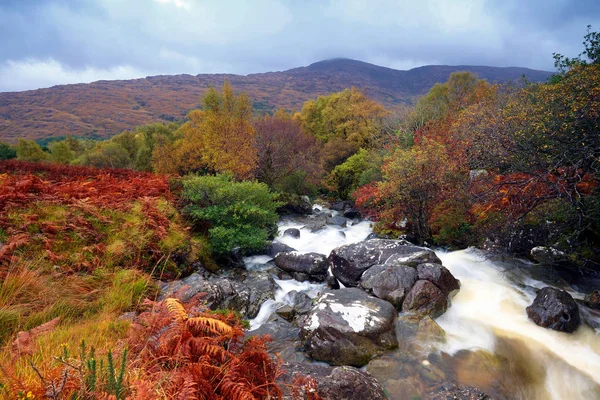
(106, 108)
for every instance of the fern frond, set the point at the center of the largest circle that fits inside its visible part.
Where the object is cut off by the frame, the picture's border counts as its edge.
(236, 390)
(202, 323)
(176, 310)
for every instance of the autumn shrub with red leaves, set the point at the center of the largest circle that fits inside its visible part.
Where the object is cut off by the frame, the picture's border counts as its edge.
(186, 352)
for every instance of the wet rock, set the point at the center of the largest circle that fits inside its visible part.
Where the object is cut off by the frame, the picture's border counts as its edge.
(314, 265)
(286, 312)
(453, 392)
(555, 309)
(292, 232)
(352, 213)
(350, 261)
(276, 247)
(333, 383)
(420, 255)
(548, 255)
(284, 338)
(593, 299)
(294, 205)
(302, 304)
(341, 205)
(300, 276)
(348, 327)
(332, 283)
(440, 277)
(244, 293)
(428, 330)
(425, 299)
(389, 282)
(338, 221)
(374, 235)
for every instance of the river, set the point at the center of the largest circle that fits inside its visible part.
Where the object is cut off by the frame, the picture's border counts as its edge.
(489, 342)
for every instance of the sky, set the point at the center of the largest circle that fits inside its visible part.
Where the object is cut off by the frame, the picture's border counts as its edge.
(49, 42)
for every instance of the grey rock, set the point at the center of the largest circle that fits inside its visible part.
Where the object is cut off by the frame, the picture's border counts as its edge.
(440, 276)
(350, 261)
(548, 255)
(313, 265)
(348, 327)
(338, 221)
(292, 232)
(286, 312)
(425, 299)
(389, 282)
(276, 247)
(555, 309)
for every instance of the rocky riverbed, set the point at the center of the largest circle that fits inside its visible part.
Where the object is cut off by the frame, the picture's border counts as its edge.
(378, 318)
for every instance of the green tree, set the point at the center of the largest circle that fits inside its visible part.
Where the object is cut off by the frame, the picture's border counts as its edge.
(29, 150)
(235, 214)
(60, 152)
(7, 152)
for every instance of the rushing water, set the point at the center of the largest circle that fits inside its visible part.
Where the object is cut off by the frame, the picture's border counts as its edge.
(489, 343)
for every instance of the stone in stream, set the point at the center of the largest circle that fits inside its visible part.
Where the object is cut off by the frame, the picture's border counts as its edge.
(292, 232)
(333, 383)
(349, 262)
(555, 309)
(425, 299)
(440, 276)
(276, 247)
(352, 213)
(389, 282)
(548, 255)
(313, 265)
(348, 327)
(593, 299)
(338, 221)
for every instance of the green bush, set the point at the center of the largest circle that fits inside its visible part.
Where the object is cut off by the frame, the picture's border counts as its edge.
(7, 151)
(235, 214)
(359, 169)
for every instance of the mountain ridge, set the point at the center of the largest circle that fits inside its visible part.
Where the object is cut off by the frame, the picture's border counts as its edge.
(107, 107)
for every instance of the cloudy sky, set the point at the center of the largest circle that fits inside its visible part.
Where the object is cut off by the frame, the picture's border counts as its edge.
(49, 42)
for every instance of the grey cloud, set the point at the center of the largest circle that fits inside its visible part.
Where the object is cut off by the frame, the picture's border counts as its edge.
(108, 38)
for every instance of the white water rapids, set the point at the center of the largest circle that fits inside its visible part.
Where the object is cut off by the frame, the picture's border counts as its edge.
(488, 312)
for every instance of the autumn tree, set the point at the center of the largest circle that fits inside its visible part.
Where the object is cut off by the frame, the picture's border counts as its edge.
(345, 122)
(220, 137)
(284, 150)
(415, 181)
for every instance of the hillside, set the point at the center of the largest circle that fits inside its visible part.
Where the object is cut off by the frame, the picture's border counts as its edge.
(105, 108)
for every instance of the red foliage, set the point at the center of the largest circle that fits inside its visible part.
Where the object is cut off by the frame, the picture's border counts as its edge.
(195, 354)
(83, 189)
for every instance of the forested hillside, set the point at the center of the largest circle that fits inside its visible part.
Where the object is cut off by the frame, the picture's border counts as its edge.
(104, 108)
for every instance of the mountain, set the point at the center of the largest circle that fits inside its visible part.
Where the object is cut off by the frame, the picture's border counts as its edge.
(105, 108)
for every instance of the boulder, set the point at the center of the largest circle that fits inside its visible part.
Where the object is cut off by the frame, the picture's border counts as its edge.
(276, 247)
(389, 282)
(292, 232)
(555, 309)
(348, 327)
(302, 304)
(341, 205)
(313, 265)
(352, 213)
(332, 383)
(338, 221)
(244, 293)
(440, 277)
(425, 299)
(332, 283)
(593, 299)
(548, 255)
(350, 261)
(286, 312)
(294, 205)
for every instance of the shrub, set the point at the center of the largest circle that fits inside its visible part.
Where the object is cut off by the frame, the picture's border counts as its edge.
(234, 214)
